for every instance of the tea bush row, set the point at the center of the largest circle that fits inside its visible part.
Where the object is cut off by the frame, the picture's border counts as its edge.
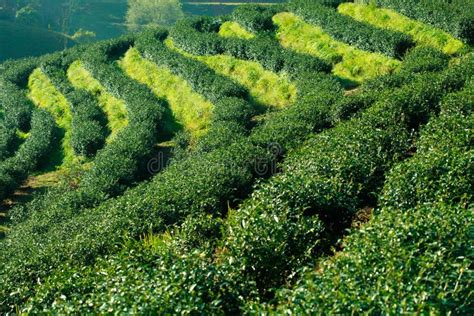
(199, 36)
(88, 122)
(14, 170)
(348, 30)
(201, 183)
(270, 236)
(21, 115)
(421, 229)
(232, 113)
(455, 17)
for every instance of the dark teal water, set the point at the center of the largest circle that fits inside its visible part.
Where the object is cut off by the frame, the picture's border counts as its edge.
(106, 18)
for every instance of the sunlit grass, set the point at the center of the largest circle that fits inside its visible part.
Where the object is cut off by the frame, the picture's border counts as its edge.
(45, 95)
(423, 34)
(265, 87)
(233, 29)
(114, 108)
(189, 108)
(349, 63)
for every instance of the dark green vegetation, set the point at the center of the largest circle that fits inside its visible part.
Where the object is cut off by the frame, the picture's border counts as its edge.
(346, 201)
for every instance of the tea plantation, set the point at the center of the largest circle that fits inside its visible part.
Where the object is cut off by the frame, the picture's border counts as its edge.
(311, 157)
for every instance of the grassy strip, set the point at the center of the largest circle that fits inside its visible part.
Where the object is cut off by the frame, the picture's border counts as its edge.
(233, 29)
(113, 107)
(45, 95)
(189, 107)
(349, 63)
(423, 34)
(264, 86)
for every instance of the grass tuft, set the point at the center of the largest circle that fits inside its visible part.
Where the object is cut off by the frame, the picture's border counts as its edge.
(114, 108)
(45, 95)
(265, 87)
(233, 29)
(351, 64)
(189, 108)
(422, 34)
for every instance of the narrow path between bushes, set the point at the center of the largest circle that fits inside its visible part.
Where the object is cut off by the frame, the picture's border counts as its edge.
(265, 87)
(114, 108)
(351, 64)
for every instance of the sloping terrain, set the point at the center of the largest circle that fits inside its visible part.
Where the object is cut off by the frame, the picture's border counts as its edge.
(313, 157)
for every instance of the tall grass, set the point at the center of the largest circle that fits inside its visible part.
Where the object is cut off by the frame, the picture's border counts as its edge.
(114, 108)
(351, 64)
(233, 29)
(189, 108)
(422, 34)
(45, 95)
(266, 88)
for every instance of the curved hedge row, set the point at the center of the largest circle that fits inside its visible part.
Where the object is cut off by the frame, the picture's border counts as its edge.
(422, 34)
(275, 232)
(88, 132)
(14, 170)
(348, 30)
(119, 163)
(232, 110)
(455, 17)
(255, 18)
(269, 236)
(442, 168)
(21, 115)
(199, 36)
(200, 183)
(417, 247)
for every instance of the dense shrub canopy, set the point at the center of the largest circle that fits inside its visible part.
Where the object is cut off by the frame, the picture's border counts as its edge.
(340, 201)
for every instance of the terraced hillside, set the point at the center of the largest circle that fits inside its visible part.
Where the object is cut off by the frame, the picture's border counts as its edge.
(312, 157)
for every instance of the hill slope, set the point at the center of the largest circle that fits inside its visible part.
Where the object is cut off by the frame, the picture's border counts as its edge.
(299, 158)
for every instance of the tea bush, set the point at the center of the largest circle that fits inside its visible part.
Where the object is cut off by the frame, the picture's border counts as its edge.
(200, 183)
(14, 170)
(199, 36)
(455, 17)
(88, 130)
(421, 229)
(345, 29)
(273, 233)
(422, 34)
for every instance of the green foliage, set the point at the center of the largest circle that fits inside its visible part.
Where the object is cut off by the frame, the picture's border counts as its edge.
(254, 18)
(442, 168)
(7, 137)
(201, 183)
(276, 231)
(199, 36)
(424, 59)
(257, 202)
(88, 130)
(345, 29)
(14, 170)
(384, 18)
(419, 257)
(349, 63)
(21, 116)
(422, 229)
(455, 17)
